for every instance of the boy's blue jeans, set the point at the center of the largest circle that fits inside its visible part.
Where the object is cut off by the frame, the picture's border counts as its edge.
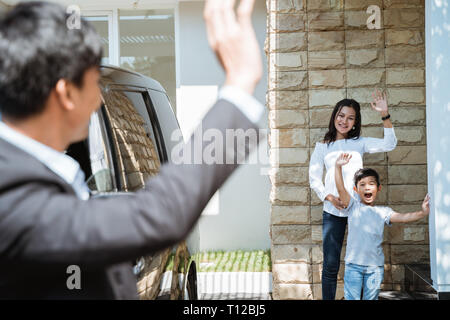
(365, 278)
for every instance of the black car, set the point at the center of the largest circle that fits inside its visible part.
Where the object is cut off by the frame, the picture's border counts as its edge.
(129, 139)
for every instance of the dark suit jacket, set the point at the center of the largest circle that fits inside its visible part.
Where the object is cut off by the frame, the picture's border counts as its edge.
(44, 227)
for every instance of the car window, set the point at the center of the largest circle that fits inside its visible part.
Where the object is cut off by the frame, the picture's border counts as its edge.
(94, 156)
(102, 172)
(135, 141)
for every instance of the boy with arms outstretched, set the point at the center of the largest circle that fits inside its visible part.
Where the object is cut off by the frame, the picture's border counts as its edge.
(364, 258)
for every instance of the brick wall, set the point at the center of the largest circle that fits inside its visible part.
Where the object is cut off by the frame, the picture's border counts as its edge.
(319, 52)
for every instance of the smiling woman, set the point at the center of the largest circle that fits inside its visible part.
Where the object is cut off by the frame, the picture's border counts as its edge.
(344, 135)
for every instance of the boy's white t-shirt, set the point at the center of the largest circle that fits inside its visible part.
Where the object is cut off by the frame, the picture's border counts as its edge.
(365, 232)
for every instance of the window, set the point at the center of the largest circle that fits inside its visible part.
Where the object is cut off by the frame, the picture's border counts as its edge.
(94, 156)
(147, 45)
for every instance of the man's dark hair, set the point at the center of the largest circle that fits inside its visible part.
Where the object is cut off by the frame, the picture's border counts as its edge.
(36, 50)
(366, 172)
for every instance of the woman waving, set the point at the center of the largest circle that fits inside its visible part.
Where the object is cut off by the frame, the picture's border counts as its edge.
(344, 135)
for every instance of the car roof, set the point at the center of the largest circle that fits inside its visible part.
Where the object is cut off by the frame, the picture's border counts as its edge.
(125, 77)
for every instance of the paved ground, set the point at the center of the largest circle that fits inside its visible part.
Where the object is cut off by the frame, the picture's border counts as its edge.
(235, 296)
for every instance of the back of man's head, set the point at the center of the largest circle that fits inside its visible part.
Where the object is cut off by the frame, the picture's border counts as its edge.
(36, 50)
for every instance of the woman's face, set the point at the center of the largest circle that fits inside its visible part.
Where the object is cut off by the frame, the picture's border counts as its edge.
(345, 120)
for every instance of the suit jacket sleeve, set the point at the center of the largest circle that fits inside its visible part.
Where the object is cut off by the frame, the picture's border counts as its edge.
(48, 227)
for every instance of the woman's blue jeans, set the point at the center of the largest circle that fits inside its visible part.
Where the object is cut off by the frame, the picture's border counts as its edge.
(365, 278)
(333, 232)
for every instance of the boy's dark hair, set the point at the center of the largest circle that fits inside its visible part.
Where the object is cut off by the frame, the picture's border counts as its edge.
(331, 134)
(36, 50)
(366, 172)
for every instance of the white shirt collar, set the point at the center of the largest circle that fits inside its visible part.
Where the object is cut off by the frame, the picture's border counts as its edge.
(64, 166)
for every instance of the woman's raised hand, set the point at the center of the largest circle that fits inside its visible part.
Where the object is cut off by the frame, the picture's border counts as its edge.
(379, 103)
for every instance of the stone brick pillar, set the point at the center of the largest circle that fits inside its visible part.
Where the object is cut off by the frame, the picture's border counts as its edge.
(319, 52)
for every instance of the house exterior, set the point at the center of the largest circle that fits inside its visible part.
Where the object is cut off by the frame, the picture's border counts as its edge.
(318, 52)
(321, 51)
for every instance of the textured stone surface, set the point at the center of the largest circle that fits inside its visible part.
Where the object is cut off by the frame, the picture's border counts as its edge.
(292, 272)
(325, 53)
(289, 156)
(411, 253)
(408, 155)
(365, 77)
(289, 61)
(365, 58)
(325, 5)
(291, 234)
(405, 77)
(282, 119)
(326, 59)
(405, 56)
(291, 22)
(325, 98)
(326, 41)
(291, 253)
(404, 18)
(404, 37)
(322, 21)
(289, 175)
(290, 193)
(288, 80)
(290, 215)
(404, 3)
(287, 6)
(288, 42)
(284, 291)
(327, 79)
(363, 39)
(280, 100)
(403, 174)
(289, 138)
(406, 194)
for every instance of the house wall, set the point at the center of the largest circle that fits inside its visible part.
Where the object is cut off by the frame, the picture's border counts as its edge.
(319, 53)
(238, 216)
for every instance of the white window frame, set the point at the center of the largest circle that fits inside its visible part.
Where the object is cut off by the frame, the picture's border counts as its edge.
(113, 31)
(112, 11)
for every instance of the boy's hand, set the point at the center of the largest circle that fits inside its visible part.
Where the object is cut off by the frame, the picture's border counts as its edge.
(426, 205)
(379, 103)
(343, 159)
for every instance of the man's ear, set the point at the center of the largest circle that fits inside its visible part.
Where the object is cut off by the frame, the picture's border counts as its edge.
(354, 188)
(379, 188)
(63, 91)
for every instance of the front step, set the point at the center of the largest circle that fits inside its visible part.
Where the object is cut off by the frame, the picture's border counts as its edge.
(418, 283)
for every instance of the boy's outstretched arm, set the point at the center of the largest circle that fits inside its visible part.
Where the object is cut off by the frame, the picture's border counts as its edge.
(343, 159)
(413, 216)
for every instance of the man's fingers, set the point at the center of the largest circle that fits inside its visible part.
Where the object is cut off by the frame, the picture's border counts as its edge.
(245, 10)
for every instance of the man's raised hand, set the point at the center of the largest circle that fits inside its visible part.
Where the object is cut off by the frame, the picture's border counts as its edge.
(233, 40)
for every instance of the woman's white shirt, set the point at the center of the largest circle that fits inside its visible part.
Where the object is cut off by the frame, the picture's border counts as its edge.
(327, 155)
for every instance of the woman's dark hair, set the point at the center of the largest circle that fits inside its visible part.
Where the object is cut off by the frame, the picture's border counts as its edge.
(37, 49)
(330, 136)
(366, 172)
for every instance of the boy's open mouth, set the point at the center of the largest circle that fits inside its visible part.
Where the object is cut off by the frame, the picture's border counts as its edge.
(368, 195)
